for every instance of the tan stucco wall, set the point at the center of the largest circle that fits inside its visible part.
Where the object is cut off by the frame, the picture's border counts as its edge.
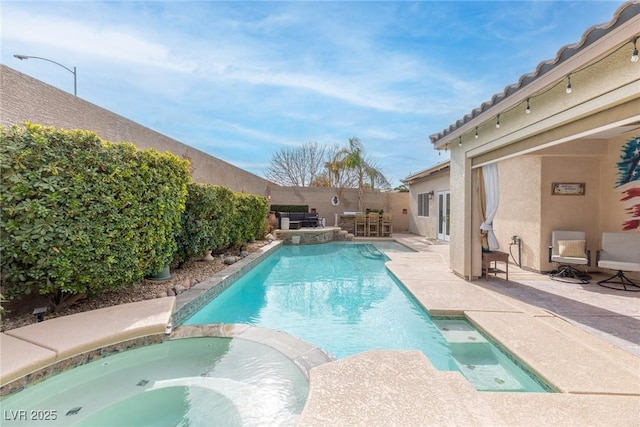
(427, 225)
(573, 213)
(519, 210)
(460, 212)
(529, 210)
(397, 204)
(23, 99)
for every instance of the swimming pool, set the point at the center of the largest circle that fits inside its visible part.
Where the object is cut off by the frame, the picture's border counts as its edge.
(192, 381)
(340, 297)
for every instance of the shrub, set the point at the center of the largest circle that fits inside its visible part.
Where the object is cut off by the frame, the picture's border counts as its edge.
(250, 214)
(80, 215)
(206, 221)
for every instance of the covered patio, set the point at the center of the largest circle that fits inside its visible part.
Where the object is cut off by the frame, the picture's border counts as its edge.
(561, 144)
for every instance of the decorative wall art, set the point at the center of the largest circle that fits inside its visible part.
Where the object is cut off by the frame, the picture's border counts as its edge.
(629, 182)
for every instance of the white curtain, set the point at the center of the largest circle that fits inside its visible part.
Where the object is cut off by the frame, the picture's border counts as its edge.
(490, 177)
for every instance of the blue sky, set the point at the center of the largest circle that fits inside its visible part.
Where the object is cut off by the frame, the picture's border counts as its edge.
(241, 80)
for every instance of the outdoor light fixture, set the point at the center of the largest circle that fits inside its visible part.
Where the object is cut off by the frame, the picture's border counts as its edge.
(498, 122)
(569, 84)
(476, 135)
(634, 55)
(39, 313)
(75, 83)
(459, 141)
(528, 109)
(430, 195)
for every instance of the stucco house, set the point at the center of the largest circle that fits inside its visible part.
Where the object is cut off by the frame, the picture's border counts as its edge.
(562, 149)
(429, 202)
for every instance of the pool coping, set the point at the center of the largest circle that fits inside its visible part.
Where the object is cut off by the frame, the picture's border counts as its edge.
(34, 352)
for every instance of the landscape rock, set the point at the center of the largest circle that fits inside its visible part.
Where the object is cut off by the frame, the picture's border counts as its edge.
(19, 312)
(179, 289)
(230, 260)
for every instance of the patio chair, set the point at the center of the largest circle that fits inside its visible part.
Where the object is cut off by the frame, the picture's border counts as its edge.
(373, 226)
(568, 249)
(360, 225)
(621, 252)
(387, 226)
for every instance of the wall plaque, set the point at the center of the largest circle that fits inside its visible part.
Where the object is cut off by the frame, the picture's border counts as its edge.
(567, 189)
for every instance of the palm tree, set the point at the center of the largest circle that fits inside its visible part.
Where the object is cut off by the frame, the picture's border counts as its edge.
(353, 159)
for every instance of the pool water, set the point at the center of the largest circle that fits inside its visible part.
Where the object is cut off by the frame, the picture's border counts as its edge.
(340, 297)
(192, 381)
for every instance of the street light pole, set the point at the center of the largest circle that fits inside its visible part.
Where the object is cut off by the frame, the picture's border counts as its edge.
(75, 83)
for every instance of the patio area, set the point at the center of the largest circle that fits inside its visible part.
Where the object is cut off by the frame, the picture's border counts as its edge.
(583, 339)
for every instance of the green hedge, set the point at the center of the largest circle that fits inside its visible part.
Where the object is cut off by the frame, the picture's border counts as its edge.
(80, 215)
(216, 218)
(250, 218)
(206, 221)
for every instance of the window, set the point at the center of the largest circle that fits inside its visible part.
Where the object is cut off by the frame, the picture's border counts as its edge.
(423, 204)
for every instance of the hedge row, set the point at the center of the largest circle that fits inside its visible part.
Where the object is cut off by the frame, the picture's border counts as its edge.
(215, 217)
(80, 215)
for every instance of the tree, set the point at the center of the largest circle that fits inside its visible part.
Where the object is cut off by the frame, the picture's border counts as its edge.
(297, 166)
(337, 175)
(350, 161)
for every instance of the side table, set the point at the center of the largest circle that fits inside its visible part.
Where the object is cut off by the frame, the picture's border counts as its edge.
(495, 257)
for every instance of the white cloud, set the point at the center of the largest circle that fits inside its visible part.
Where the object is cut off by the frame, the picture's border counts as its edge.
(112, 44)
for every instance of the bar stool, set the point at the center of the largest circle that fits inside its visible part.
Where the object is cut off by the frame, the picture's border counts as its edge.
(387, 226)
(360, 225)
(373, 229)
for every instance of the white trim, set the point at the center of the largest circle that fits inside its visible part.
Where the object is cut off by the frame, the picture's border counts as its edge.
(443, 236)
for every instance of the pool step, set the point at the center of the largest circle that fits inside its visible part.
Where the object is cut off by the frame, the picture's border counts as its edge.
(458, 331)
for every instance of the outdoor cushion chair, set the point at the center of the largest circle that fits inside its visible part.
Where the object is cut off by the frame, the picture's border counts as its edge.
(569, 249)
(621, 252)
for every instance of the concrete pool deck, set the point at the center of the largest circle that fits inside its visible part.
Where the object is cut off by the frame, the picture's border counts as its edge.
(583, 339)
(589, 353)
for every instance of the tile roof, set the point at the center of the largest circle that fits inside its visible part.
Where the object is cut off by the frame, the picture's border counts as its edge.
(627, 11)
